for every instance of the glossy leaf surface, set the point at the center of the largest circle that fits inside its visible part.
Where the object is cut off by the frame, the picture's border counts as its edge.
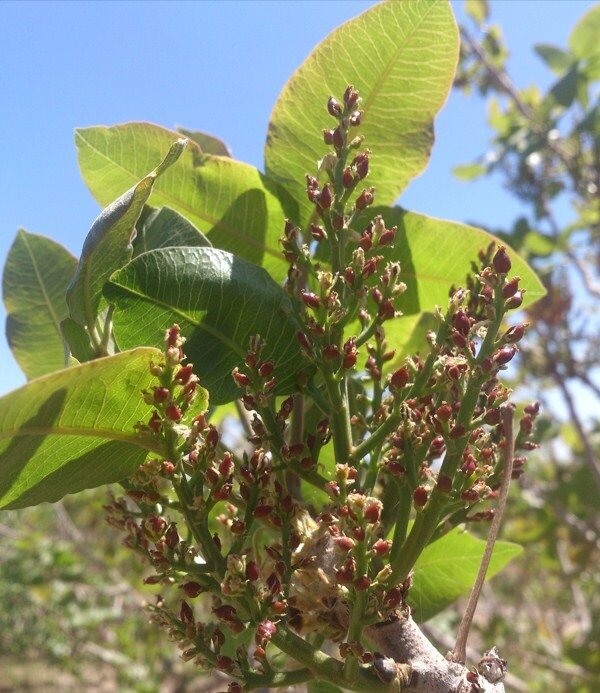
(219, 300)
(36, 275)
(401, 56)
(164, 228)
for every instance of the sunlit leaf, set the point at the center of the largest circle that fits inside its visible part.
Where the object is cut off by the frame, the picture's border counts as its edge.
(583, 40)
(36, 275)
(209, 144)
(401, 56)
(74, 429)
(447, 569)
(229, 201)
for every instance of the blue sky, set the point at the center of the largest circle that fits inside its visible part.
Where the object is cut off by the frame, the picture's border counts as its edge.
(216, 66)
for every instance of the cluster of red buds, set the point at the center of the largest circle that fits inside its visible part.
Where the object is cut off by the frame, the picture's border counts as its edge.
(425, 437)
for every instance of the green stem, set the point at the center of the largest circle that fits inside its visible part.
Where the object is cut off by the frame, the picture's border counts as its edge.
(377, 437)
(339, 415)
(402, 508)
(278, 679)
(325, 667)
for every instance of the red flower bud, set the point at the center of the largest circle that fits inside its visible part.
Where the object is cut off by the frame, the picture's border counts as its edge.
(372, 512)
(444, 412)
(386, 310)
(328, 137)
(262, 510)
(533, 409)
(381, 547)
(309, 299)
(362, 583)
(399, 378)
(326, 198)
(492, 417)
(303, 340)
(265, 369)
(192, 589)
(184, 374)
(161, 394)
(331, 352)
(349, 276)
(365, 199)
(387, 237)
(510, 288)
(350, 97)
(515, 301)
(173, 412)
(501, 261)
(504, 355)
(515, 334)
(344, 544)
(338, 138)
(347, 178)
(317, 232)
(334, 107)
(470, 495)
(186, 613)
(241, 378)
(461, 322)
(223, 662)
(252, 572)
(420, 496)
(361, 164)
(355, 118)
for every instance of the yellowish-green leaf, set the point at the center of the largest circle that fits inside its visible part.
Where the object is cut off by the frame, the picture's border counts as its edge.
(583, 40)
(401, 56)
(36, 275)
(229, 201)
(447, 569)
(74, 429)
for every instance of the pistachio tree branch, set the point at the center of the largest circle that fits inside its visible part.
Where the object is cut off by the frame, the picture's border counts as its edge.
(458, 654)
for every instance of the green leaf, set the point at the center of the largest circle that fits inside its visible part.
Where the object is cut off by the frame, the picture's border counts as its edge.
(36, 275)
(165, 227)
(469, 172)
(401, 56)
(565, 90)
(557, 60)
(478, 10)
(74, 429)
(436, 254)
(219, 300)
(448, 568)
(108, 244)
(231, 202)
(583, 40)
(78, 341)
(209, 144)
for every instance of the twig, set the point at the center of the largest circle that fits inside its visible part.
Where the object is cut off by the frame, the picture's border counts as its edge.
(458, 654)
